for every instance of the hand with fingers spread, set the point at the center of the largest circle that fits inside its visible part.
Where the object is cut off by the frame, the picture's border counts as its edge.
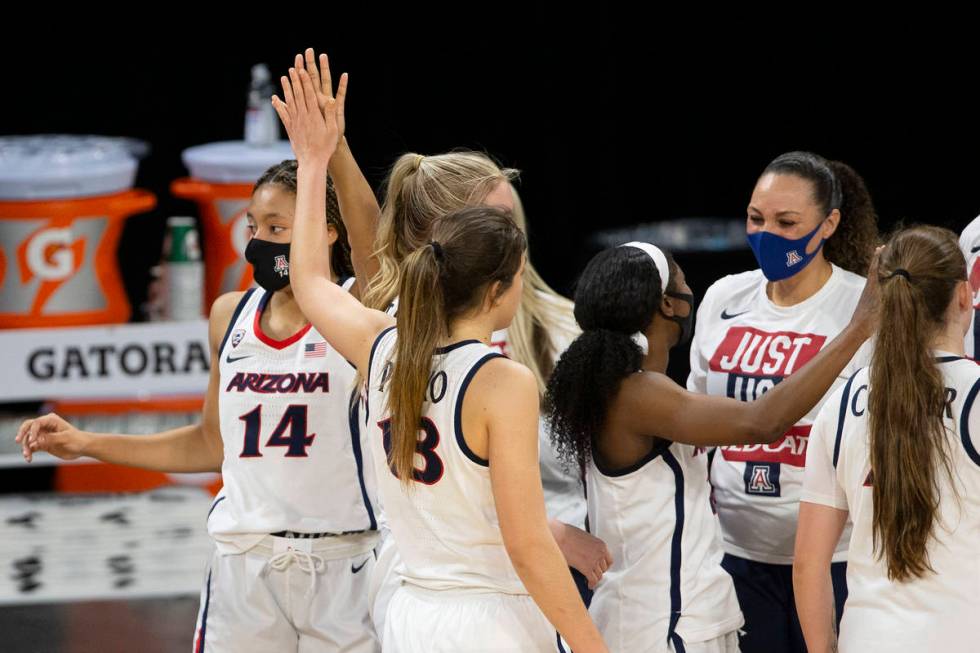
(313, 133)
(323, 84)
(52, 434)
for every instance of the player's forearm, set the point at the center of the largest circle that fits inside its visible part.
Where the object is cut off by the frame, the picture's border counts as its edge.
(179, 450)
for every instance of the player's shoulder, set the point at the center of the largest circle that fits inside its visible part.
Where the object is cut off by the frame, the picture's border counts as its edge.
(497, 377)
(223, 309)
(731, 294)
(848, 280)
(734, 284)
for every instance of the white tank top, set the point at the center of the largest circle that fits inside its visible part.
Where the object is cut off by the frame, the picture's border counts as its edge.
(939, 611)
(666, 582)
(564, 498)
(291, 459)
(445, 525)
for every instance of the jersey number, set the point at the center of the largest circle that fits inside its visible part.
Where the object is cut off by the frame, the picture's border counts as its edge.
(289, 433)
(433, 467)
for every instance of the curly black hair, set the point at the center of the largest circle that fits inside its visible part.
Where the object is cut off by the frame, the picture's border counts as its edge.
(617, 296)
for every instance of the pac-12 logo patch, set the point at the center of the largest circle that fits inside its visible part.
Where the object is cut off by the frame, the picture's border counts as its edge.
(237, 337)
(281, 265)
(762, 478)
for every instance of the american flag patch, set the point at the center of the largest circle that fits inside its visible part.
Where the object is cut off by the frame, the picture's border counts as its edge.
(316, 350)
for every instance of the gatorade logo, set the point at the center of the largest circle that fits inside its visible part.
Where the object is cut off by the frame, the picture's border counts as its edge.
(48, 266)
(50, 255)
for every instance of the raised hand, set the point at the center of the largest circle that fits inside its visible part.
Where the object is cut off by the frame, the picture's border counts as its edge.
(323, 84)
(313, 133)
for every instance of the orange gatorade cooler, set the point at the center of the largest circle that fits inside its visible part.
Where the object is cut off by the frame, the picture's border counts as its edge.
(222, 177)
(63, 203)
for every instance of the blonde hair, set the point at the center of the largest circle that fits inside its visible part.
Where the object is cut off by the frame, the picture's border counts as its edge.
(421, 189)
(543, 316)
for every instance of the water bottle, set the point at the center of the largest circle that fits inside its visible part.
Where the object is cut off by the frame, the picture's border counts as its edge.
(184, 270)
(261, 121)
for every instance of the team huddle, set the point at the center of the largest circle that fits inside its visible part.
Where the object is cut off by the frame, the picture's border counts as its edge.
(425, 448)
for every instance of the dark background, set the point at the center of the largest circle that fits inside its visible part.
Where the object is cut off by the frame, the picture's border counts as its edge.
(613, 118)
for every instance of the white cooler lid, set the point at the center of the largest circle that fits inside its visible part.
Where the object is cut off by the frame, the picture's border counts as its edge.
(234, 162)
(62, 166)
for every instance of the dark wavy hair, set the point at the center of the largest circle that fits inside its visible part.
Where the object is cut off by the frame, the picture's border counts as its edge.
(837, 186)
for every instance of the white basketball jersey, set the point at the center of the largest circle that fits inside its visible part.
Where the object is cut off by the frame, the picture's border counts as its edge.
(939, 611)
(744, 345)
(445, 524)
(292, 461)
(563, 496)
(666, 582)
(970, 245)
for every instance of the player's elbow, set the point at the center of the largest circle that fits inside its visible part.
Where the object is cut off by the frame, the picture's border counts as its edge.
(766, 428)
(807, 568)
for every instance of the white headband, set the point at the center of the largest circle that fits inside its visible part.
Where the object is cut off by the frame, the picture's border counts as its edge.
(659, 259)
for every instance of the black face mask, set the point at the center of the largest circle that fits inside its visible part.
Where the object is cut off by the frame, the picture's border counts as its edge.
(270, 263)
(687, 322)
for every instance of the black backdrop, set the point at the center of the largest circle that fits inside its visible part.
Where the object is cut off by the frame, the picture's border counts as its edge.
(614, 118)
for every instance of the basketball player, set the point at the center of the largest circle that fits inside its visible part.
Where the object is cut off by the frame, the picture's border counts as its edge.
(896, 450)
(294, 525)
(812, 228)
(417, 191)
(641, 440)
(453, 425)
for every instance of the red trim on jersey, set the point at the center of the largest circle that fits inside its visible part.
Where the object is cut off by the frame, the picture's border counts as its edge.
(789, 449)
(272, 342)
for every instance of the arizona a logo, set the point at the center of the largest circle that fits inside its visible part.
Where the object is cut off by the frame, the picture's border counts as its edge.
(281, 266)
(792, 258)
(762, 478)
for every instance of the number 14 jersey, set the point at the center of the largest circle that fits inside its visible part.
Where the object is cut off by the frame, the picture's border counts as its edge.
(294, 461)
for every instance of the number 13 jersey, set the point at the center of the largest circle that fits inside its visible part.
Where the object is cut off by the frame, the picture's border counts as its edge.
(445, 524)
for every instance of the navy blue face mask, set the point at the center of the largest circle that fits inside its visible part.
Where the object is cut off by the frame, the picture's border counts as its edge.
(779, 257)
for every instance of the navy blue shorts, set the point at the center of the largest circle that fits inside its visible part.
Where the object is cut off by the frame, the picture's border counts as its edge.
(765, 593)
(582, 583)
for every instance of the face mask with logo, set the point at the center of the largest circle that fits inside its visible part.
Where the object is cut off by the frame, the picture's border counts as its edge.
(779, 257)
(270, 263)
